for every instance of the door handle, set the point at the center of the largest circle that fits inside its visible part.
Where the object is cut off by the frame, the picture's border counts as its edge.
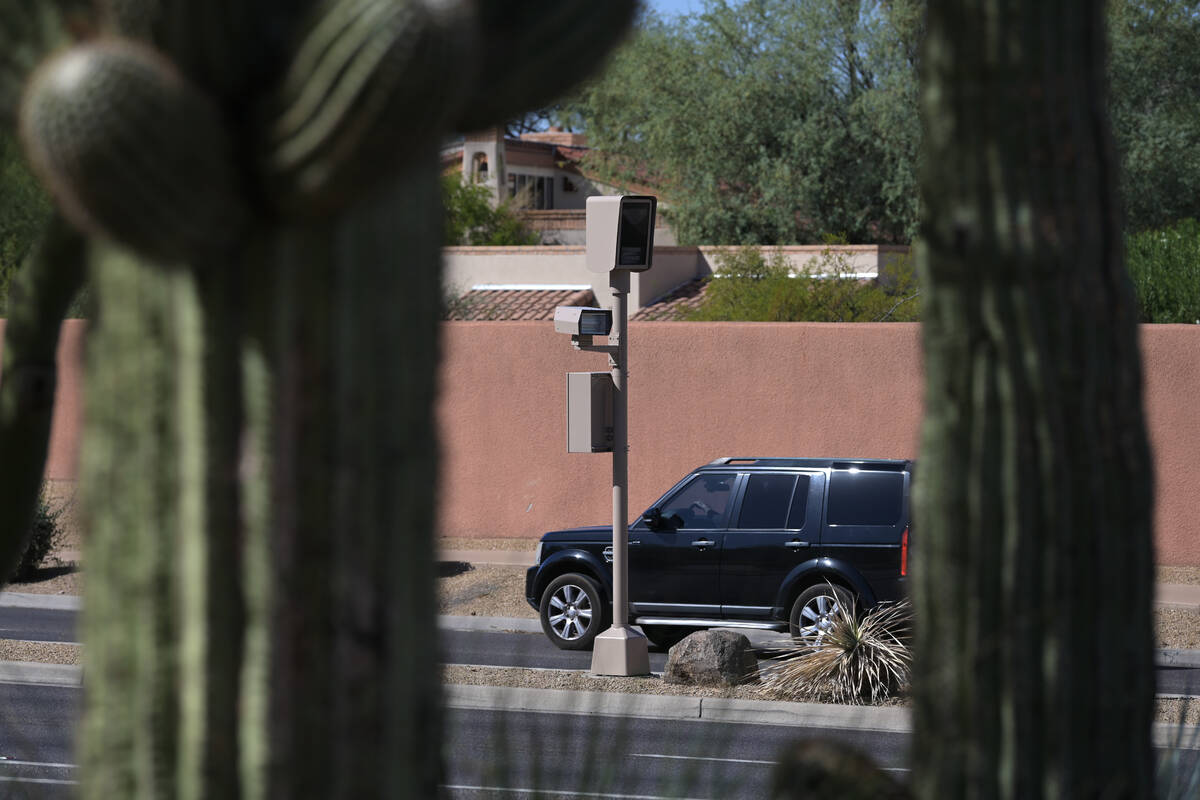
(703, 543)
(796, 544)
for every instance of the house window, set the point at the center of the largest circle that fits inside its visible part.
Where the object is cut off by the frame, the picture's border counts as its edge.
(535, 191)
(479, 168)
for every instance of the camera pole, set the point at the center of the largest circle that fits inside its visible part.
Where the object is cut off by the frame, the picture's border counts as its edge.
(620, 650)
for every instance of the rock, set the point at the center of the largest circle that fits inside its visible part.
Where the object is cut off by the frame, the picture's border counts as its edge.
(712, 658)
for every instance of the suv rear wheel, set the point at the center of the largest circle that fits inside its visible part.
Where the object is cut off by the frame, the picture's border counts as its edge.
(816, 609)
(573, 611)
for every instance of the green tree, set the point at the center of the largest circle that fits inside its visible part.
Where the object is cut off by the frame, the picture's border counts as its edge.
(767, 121)
(24, 210)
(1033, 530)
(1155, 72)
(471, 219)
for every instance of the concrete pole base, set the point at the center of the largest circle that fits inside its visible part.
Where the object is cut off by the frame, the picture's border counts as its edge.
(620, 650)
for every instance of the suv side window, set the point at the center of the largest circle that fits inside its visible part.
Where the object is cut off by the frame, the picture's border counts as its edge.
(799, 510)
(701, 504)
(865, 497)
(766, 502)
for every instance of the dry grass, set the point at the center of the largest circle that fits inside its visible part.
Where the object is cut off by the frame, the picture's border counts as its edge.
(860, 659)
(485, 591)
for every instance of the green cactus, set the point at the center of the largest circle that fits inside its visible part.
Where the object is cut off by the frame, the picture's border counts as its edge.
(129, 150)
(259, 181)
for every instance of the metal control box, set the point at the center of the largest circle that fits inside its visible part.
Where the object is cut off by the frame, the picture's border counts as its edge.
(589, 412)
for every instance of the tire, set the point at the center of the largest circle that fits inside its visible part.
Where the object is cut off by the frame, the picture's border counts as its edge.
(812, 613)
(573, 611)
(666, 636)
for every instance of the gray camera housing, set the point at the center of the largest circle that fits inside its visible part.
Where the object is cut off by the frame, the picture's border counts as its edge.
(620, 232)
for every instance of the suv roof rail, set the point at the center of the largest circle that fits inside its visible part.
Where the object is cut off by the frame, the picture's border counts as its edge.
(835, 463)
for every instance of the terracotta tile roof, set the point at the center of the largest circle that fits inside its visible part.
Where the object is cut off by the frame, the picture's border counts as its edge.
(672, 306)
(515, 304)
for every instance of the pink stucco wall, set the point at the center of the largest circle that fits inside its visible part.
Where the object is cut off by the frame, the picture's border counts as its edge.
(66, 426)
(699, 391)
(704, 390)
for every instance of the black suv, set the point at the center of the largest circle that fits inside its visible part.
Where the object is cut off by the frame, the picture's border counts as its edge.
(771, 543)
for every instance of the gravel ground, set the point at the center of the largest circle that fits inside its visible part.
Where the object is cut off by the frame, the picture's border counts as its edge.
(1188, 575)
(41, 652)
(450, 543)
(64, 578)
(485, 590)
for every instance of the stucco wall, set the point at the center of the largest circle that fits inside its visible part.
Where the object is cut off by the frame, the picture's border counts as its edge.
(66, 427)
(699, 391)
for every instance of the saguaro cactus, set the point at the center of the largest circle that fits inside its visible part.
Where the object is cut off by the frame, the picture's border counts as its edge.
(1034, 673)
(258, 182)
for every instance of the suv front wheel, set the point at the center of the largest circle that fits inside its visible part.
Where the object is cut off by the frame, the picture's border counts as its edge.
(816, 610)
(573, 611)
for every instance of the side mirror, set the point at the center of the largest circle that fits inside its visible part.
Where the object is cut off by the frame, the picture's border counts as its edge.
(653, 519)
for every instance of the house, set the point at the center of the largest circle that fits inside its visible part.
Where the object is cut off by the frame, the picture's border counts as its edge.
(545, 173)
(548, 172)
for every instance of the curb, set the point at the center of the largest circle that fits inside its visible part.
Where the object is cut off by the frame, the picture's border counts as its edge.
(507, 624)
(888, 719)
(55, 602)
(28, 672)
(1177, 658)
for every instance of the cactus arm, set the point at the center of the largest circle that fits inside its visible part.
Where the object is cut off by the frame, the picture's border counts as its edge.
(143, 490)
(40, 296)
(561, 42)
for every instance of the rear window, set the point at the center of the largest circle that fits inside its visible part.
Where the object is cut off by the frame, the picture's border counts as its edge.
(865, 498)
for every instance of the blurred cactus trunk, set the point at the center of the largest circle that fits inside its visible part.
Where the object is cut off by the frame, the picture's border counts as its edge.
(259, 614)
(1033, 674)
(258, 184)
(352, 625)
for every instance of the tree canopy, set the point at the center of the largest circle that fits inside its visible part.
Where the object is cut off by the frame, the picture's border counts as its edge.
(768, 121)
(788, 121)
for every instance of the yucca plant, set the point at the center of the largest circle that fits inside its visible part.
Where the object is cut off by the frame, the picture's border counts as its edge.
(861, 658)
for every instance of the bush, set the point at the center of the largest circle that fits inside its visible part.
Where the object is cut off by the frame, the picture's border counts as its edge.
(1164, 265)
(750, 287)
(472, 220)
(43, 536)
(859, 659)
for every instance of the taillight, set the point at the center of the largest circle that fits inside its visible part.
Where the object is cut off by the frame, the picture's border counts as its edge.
(904, 553)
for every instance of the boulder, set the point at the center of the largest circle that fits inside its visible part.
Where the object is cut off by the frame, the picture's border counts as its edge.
(712, 658)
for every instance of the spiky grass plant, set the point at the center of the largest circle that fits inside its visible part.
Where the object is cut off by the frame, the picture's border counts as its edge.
(860, 659)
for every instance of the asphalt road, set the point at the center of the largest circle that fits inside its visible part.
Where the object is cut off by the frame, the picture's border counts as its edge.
(492, 753)
(474, 647)
(37, 725)
(502, 754)
(523, 753)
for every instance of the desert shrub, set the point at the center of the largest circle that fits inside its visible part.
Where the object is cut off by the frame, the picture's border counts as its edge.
(1165, 267)
(43, 536)
(750, 286)
(860, 659)
(471, 219)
